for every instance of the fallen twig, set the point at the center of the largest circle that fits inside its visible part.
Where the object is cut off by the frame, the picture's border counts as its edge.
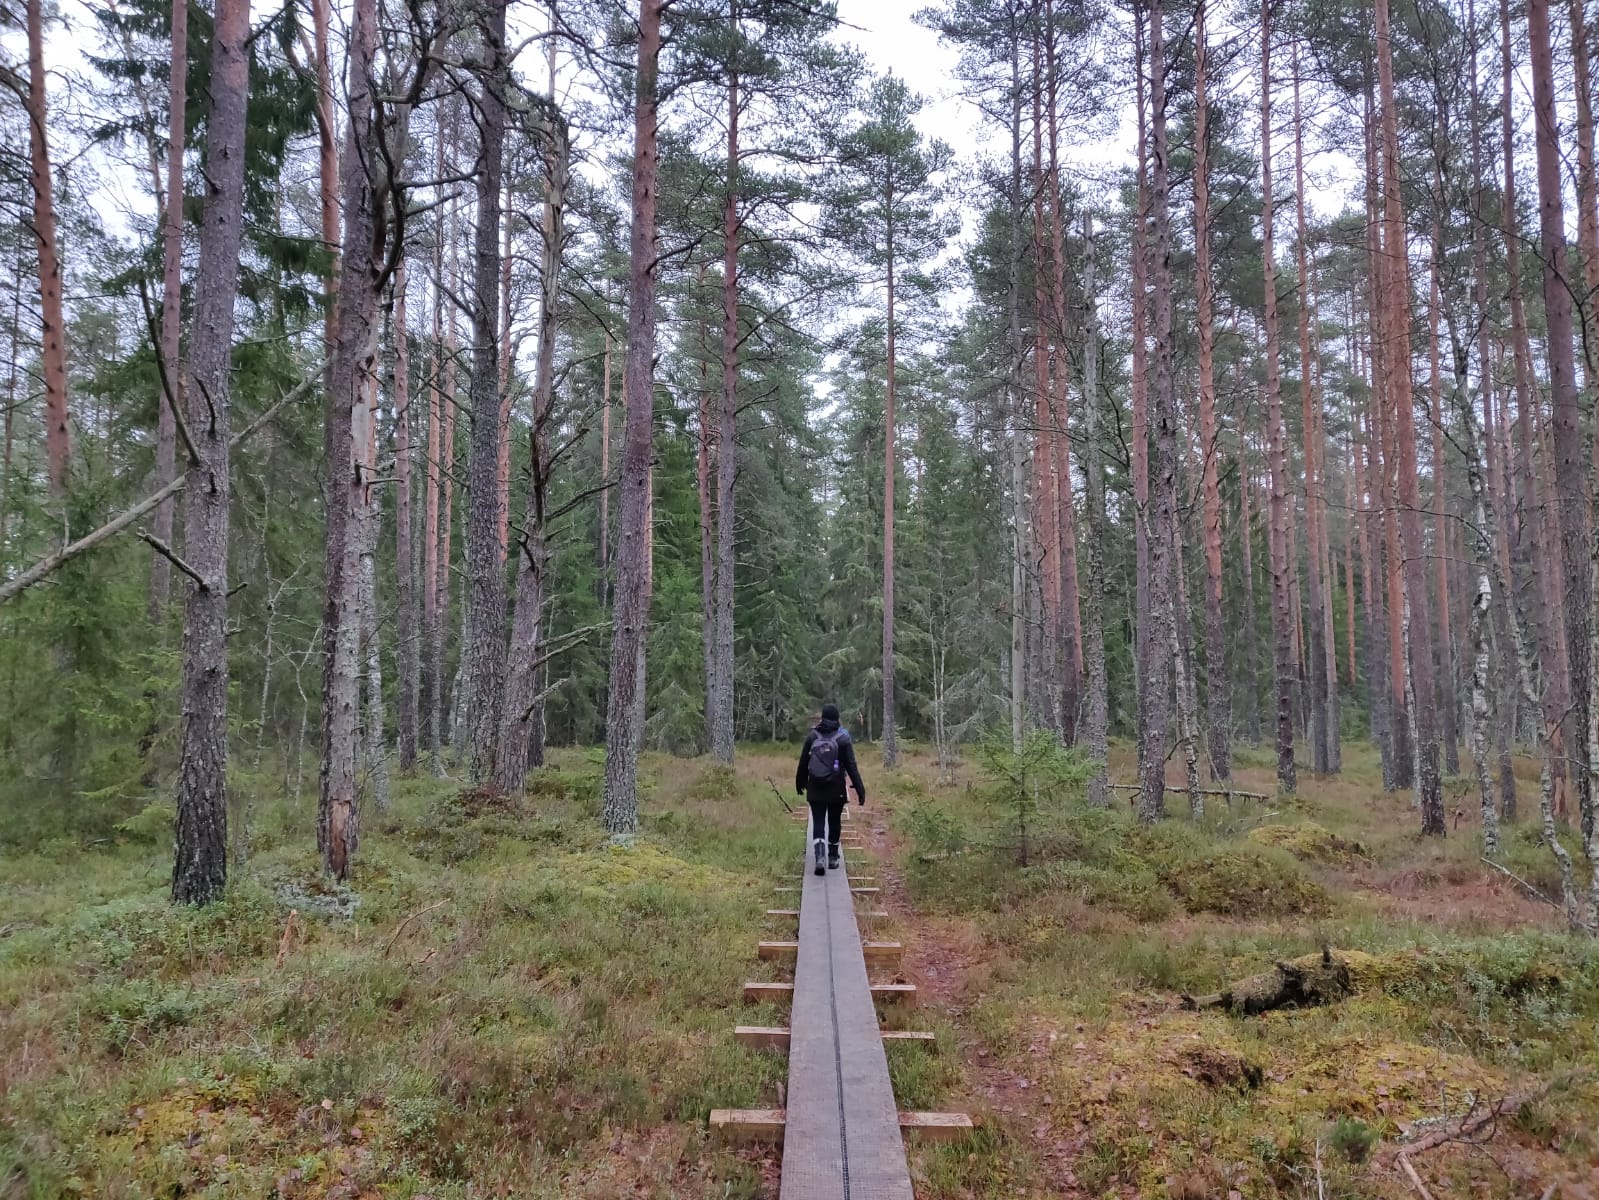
(1415, 1180)
(1474, 1122)
(395, 936)
(1226, 793)
(779, 794)
(1527, 887)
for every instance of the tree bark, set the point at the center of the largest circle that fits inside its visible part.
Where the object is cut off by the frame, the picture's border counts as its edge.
(1587, 194)
(1143, 646)
(166, 440)
(200, 865)
(369, 521)
(483, 673)
(52, 323)
(1096, 711)
(1323, 730)
(1045, 496)
(1066, 522)
(1218, 690)
(890, 725)
(532, 572)
(434, 466)
(1448, 732)
(407, 649)
(1571, 465)
(1153, 697)
(355, 352)
(623, 723)
(726, 441)
(1277, 448)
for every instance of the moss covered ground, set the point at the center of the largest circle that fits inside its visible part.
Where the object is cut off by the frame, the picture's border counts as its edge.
(501, 1003)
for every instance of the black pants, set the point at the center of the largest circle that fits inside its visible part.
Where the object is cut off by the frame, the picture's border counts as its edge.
(827, 816)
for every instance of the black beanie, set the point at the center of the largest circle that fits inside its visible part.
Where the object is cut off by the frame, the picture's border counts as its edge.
(829, 712)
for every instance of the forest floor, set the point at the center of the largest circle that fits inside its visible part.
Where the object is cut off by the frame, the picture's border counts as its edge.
(503, 1005)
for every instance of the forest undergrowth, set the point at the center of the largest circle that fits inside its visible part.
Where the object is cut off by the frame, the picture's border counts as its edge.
(502, 1003)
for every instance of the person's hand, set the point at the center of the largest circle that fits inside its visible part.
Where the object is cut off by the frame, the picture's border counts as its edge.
(860, 798)
(798, 790)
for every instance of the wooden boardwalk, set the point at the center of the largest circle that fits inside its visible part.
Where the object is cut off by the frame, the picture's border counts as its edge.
(842, 1139)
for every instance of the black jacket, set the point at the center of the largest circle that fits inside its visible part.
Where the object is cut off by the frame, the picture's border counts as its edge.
(846, 758)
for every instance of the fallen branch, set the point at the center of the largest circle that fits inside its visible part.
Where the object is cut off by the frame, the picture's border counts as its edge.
(1530, 890)
(1415, 1180)
(53, 561)
(1474, 1122)
(1225, 793)
(402, 926)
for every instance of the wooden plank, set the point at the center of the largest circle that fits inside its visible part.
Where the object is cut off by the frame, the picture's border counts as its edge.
(768, 1126)
(905, 992)
(776, 1037)
(755, 991)
(776, 951)
(861, 891)
(880, 954)
(762, 1037)
(783, 912)
(935, 1127)
(748, 1124)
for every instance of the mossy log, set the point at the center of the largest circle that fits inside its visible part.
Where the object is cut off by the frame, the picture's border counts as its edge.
(1311, 980)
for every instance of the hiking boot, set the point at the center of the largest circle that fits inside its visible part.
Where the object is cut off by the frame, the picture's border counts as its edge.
(832, 858)
(820, 846)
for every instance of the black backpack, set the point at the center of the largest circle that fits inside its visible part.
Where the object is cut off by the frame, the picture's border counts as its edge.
(825, 767)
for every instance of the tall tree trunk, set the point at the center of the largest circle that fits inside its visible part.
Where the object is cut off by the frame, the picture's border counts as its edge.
(1587, 195)
(1571, 465)
(1066, 522)
(1143, 646)
(704, 472)
(1505, 692)
(502, 464)
(1020, 553)
(1246, 546)
(52, 324)
(369, 523)
(1396, 293)
(1440, 502)
(1096, 711)
(1277, 447)
(890, 724)
(532, 570)
(623, 718)
(726, 442)
(605, 475)
(1045, 496)
(1533, 544)
(450, 420)
(1154, 698)
(200, 863)
(483, 670)
(405, 632)
(166, 440)
(1218, 691)
(435, 468)
(1323, 733)
(354, 361)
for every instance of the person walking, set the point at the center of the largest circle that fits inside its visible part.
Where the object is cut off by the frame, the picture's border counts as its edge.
(826, 762)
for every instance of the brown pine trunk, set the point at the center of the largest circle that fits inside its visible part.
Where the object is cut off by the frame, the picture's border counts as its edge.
(624, 702)
(890, 724)
(1246, 540)
(405, 632)
(1277, 448)
(354, 361)
(1532, 540)
(1045, 498)
(1066, 522)
(200, 862)
(434, 467)
(1396, 293)
(605, 476)
(1571, 465)
(1096, 709)
(1154, 699)
(166, 439)
(1138, 383)
(1587, 193)
(726, 448)
(1323, 730)
(1218, 693)
(483, 672)
(52, 324)
(705, 465)
(502, 465)
(532, 573)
